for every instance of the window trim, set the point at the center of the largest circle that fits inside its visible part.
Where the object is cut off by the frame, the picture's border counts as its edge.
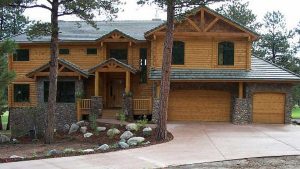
(91, 54)
(218, 58)
(14, 97)
(21, 60)
(183, 61)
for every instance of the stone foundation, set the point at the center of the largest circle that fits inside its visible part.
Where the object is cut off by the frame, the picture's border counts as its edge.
(96, 106)
(241, 113)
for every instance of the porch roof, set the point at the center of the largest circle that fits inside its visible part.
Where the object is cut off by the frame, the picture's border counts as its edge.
(109, 62)
(63, 62)
(261, 70)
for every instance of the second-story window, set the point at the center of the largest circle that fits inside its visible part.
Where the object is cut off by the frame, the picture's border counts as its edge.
(226, 53)
(21, 55)
(143, 65)
(64, 51)
(119, 54)
(91, 51)
(178, 53)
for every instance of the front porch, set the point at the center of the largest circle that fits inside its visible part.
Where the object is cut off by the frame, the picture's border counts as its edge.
(109, 91)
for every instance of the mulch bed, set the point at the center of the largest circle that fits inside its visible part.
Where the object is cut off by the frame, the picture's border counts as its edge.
(38, 150)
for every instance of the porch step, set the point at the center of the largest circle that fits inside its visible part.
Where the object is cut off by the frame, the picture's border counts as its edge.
(110, 113)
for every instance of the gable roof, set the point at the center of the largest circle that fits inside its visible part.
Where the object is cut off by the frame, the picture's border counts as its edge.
(211, 11)
(63, 62)
(261, 70)
(72, 31)
(113, 60)
(116, 31)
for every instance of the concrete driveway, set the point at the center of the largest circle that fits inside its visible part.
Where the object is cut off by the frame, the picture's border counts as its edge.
(193, 143)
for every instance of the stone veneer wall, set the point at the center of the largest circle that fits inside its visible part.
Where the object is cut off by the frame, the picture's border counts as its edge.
(22, 118)
(252, 88)
(241, 113)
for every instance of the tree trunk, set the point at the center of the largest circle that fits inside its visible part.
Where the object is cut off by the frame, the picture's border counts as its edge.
(53, 74)
(165, 74)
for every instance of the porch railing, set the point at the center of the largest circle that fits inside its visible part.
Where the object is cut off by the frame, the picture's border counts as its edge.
(142, 106)
(83, 106)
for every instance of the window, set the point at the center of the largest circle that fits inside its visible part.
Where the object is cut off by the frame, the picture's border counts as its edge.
(91, 51)
(65, 91)
(143, 65)
(119, 54)
(21, 92)
(178, 53)
(21, 55)
(64, 51)
(226, 53)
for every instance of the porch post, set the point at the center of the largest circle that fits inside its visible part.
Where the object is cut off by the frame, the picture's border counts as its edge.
(96, 83)
(127, 87)
(241, 90)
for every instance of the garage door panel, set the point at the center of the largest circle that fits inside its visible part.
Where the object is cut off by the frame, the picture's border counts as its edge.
(268, 107)
(199, 105)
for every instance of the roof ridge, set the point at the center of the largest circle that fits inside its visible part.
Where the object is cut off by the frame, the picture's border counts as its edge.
(280, 67)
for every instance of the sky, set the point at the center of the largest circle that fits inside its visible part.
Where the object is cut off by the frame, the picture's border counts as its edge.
(132, 11)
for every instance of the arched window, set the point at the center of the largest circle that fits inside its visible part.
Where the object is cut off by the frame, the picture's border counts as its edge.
(178, 53)
(226, 53)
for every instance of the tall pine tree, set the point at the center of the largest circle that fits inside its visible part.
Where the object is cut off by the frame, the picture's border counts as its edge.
(174, 7)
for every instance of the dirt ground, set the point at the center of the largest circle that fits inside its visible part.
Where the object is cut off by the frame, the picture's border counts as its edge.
(283, 162)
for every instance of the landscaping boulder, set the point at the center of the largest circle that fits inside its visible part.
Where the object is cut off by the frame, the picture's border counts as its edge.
(66, 128)
(74, 127)
(15, 141)
(103, 147)
(69, 150)
(83, 129)
(4, 139)
(54, 152)
(132, 127)
(16, 157)
(80, 123)
(135, 141)
(126, 135)
(100, 129)
(145, 143)
(87, 135)
(88, 151)
(147, 131)
(123, 145)
(123, 140)
(112, 132)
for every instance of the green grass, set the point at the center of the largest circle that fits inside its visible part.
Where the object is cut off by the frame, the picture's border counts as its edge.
(4, 119)
(296, 113)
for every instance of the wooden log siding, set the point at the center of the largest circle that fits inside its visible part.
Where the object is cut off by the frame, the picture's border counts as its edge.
(203, 53)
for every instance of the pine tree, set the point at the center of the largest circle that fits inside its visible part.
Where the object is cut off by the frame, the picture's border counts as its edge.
(174, 7)
(6, 76)
(85, 10)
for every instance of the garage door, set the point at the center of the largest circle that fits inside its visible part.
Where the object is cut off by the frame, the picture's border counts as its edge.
(268, 107)
(199, 105)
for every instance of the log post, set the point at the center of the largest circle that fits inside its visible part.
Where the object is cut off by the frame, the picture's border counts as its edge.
(96, 83)
(127, 87)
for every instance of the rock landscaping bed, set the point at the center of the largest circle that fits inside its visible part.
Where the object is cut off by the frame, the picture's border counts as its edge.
(78, 139)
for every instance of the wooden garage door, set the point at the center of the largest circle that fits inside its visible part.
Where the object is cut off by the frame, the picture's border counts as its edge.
(199, 105)
(268, 107)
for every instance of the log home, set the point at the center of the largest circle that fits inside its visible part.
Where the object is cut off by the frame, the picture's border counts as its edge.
(118, 68)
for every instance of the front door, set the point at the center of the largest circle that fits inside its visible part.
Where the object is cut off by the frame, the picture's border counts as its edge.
(116, 88)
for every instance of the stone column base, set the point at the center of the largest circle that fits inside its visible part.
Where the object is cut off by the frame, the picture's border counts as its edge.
(96, 106)
(128, 106)
(155, 110)
(241, 113)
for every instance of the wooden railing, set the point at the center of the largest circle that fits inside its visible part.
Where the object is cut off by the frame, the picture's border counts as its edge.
(83, 106)
(142, 106)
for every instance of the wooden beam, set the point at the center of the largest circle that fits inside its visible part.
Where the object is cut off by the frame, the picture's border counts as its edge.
(241, 90)
(127, 87)
(59, 74)
(193, 24)
(211, 24)
(60, 69)
(206, 34)
(96, 83)
(158, 90)
(202, 22)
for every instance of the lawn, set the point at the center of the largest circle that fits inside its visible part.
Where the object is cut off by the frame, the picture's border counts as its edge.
(296, 113)
(4, 119)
